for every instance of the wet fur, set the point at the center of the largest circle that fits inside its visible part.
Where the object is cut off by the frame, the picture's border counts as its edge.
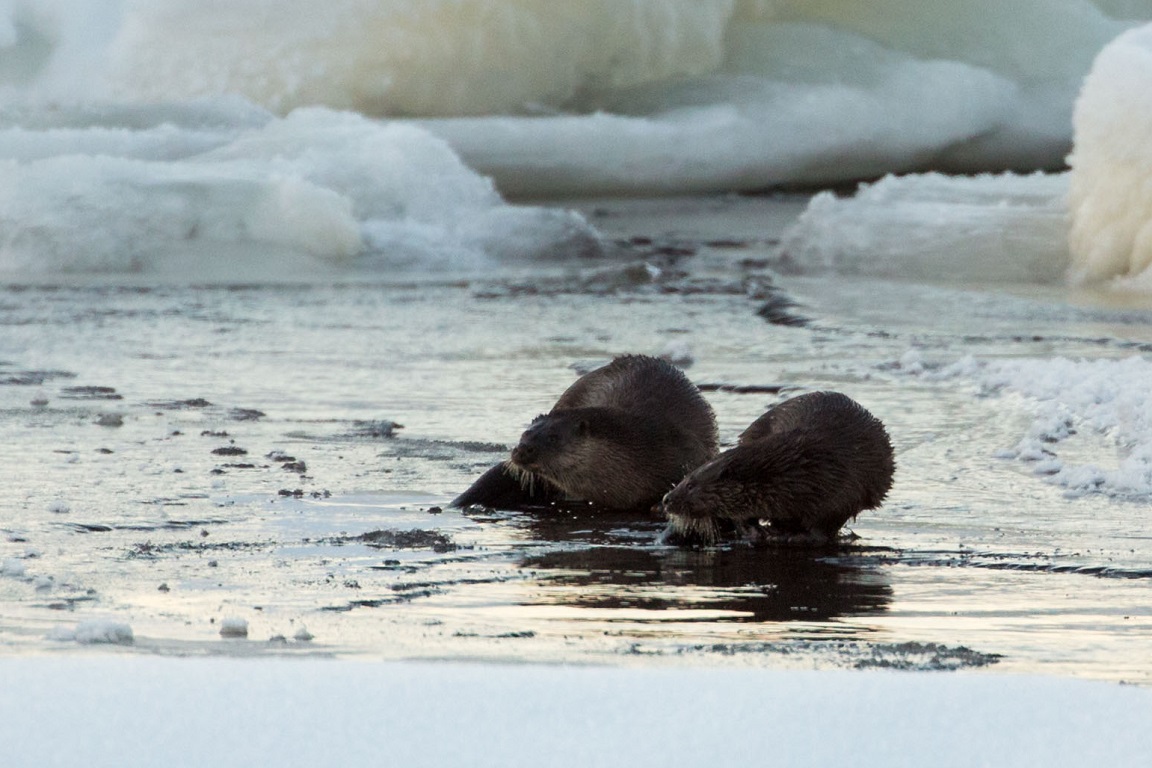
(798, 473)
(620, 437)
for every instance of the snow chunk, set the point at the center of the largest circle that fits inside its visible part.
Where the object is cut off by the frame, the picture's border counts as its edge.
(12, 567)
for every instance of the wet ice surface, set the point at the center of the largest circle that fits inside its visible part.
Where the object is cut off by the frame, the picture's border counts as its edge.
(183, 462)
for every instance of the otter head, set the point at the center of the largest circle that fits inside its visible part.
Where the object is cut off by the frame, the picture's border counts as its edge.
(704, 496)
(550, 447)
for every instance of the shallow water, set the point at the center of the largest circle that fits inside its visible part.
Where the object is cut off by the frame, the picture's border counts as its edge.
(179, 455)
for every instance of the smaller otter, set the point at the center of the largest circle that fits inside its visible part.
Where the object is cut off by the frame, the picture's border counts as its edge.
(619, 437)
(802, 469)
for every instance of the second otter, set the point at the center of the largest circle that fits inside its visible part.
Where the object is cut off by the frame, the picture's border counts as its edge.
(619, 437)
(803, 469)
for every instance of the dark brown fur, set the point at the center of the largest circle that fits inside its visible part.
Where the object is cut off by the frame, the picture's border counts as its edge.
(620, 437)
(803, 469)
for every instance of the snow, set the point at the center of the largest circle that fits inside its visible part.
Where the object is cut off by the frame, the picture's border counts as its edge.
(1111, 180)
(120, 711)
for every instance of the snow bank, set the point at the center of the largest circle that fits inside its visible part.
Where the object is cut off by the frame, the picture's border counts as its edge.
(117, 712)
(983, 229)
(1111, 187)
(317, 190)
(746, 130)
(1107, 398)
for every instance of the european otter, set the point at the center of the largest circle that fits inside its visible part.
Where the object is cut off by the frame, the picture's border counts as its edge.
(619, 437)
(803, 469)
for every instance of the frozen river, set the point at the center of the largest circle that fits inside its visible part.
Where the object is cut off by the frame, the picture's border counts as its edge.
(180, 460)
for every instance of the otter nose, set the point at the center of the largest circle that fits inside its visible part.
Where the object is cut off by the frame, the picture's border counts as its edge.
(523, 454)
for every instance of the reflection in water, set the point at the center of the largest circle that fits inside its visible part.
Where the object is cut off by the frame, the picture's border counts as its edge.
(619, 568)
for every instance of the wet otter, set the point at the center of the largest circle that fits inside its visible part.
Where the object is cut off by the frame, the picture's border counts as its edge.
(803, 469)
(620, 437)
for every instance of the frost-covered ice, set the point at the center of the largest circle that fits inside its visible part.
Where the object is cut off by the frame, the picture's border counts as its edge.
(980, 229)
(1108, 398)
(111, 711)
(1111, 178)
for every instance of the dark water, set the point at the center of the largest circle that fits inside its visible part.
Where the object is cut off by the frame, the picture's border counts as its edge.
(175, 456)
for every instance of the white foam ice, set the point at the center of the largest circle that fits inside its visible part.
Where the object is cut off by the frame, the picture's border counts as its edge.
(95, 632)
(1109, 399)
(1111, 178)
(978, 229)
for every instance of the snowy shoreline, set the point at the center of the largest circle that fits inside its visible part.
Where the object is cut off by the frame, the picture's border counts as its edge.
(105, 711)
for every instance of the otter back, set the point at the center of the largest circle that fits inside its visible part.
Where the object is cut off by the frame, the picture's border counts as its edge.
(804, 468)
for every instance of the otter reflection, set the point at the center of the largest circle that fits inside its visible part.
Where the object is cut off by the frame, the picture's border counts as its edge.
(761, 586)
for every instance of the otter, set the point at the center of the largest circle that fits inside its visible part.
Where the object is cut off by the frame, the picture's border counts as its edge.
(797, 475)
(620, 437)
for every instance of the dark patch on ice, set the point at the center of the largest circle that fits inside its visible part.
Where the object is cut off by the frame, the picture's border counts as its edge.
(90, 393)
(165, 525)
(408, 591)
(32, 378)
(69, 603)
(500, 636)
(110, 420)
(745, 389)
(412, 539)
(1006, 561)
(650, 277)
(213, 433)
(921, 657)
(230, 450)
(780, 309)
(725, 243)
(245, 414)
(911, 656)
(375, 429)
(146, 550)
(179, 405)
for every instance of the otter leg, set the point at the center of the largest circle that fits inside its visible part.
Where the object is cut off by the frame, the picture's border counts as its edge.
(498, 488)
(751, 531)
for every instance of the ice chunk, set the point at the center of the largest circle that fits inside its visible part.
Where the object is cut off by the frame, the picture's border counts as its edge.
(1111, 188)
(233, 626)
(988, 228)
